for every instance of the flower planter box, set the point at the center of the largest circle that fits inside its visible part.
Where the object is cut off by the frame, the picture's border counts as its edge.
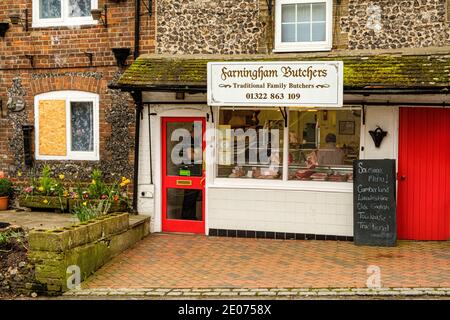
(42, 202)
(88, 245)
(118, 206)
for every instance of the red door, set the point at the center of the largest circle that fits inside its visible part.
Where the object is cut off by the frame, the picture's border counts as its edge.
(423, 211)
(183, 175)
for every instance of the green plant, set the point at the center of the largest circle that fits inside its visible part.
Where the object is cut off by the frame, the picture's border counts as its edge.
(5, 187)
(6, 237)
(98, 188)
(87, 211)
(46, 186)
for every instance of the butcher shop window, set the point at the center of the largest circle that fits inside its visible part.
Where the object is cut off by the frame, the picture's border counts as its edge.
(250, 144)
(50, 13)
(323, 144)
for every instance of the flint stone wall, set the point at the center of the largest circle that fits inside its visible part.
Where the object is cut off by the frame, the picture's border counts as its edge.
(245, 27)
(388, 24)
(208, 26)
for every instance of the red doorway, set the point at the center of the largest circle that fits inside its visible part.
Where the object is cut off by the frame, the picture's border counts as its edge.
(183, 175)
(423, 211)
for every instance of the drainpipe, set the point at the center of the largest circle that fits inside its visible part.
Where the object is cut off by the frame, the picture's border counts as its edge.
(137, 24)
(150, 142)
(137, 96)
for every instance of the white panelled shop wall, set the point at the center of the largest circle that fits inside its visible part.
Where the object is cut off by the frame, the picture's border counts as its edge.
(387, 119)
(146, 192)
(309, 212)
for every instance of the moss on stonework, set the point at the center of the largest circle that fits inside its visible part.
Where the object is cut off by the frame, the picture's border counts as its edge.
(87, 245)
(359, 71)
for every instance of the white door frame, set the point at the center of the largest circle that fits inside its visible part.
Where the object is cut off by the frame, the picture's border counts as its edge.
(172, 110)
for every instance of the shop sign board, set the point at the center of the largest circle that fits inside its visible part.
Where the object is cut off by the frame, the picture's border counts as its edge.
(276, 84)
(374, 206)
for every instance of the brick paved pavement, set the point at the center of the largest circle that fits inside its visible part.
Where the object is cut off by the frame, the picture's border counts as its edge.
(189, 261)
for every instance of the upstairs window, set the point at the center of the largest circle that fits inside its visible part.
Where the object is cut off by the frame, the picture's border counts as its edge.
(303, 25)
(49, 13)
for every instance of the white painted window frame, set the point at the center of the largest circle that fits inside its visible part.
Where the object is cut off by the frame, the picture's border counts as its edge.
(303, 46)
(69, 96)
(283, 183)
(65, 20)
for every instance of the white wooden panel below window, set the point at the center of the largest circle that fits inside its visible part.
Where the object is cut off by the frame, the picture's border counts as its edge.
(311, 212)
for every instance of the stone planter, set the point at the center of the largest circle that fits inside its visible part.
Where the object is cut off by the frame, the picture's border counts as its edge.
(4, 203)
(42, 202)
(87, 245)
(118, 206)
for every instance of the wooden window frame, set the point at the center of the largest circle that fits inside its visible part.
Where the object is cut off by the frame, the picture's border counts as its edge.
(70, 96)
(309, 45)
(65, 20)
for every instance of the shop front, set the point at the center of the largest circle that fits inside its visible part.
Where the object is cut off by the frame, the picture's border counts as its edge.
(266, 149)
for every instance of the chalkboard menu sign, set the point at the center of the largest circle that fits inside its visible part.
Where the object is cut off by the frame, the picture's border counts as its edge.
(374, 206)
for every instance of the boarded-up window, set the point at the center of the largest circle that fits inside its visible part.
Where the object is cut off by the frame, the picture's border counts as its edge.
(67, 125)
(52, 128)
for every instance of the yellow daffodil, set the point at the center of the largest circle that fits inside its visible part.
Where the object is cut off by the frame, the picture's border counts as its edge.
(19, 174)
(93, 181)
(85, 203)
(122, 184)
(45, 201)
(123, 178)
(41, 189)
(65, 193)
(61, 176)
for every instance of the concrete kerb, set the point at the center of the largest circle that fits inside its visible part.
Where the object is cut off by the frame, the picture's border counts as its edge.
(265, 292)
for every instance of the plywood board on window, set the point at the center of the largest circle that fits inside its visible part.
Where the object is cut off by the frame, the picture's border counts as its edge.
(52, 128)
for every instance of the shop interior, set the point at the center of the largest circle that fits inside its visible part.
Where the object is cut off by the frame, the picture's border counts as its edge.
(322, 144)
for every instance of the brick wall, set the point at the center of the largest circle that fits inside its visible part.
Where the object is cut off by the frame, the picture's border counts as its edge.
(61, 63)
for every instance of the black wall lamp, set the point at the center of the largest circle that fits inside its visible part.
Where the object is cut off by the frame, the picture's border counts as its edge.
(378, 135)
(101, 15)
(269, 6)
(30, 57)
(121, 55)
(149, 7)
(4, 26)
(90, 55)
(16, 18)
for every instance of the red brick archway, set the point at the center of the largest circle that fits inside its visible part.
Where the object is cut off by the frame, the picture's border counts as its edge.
(67, 82)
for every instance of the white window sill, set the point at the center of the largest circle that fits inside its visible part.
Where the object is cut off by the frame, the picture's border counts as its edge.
(56, 158)
(298, 49)
(71, 24)
(316, 186)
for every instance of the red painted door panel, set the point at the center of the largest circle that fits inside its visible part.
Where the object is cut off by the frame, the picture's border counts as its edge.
(423, 211)
(183, 191)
